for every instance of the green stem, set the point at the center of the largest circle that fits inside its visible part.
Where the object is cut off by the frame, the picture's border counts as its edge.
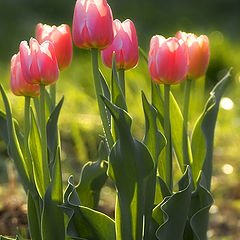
(44, 137)
(53, 93)
(121, 75)
(167, 130)
(26, 133)
(185, 121)
(99, 92)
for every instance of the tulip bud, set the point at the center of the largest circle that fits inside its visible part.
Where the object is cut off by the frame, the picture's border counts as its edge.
(39, 62)
(167, 60)
(18, 84)
(92, 24)
(61, 38)
(198, 52)
(125, 46)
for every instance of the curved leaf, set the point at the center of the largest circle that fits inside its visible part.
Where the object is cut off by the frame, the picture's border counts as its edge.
(23, 167)
(155, 142)
(203, 133)
(201, 202)
(93, 177)
(85, 223)
(130, 163)
(52, 217)
(172, 213)
(53, 140)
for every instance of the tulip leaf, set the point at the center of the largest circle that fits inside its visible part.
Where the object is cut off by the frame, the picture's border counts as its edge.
(36, 153)
(53, 139)
(203, 133)
(33, 219)
(201, 201)
(130, 165)
(23, 167)
(155, 142)
(176, 119)
(117, 97)
(85, 223)
(52, 216)
(169, 215)
(93, 177)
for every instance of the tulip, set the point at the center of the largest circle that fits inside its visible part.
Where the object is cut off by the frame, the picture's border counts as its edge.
(39, 62)
(198, 52)
(92, 24)
(61, 38)
(125, 46)
(18, 84)
(167, 60)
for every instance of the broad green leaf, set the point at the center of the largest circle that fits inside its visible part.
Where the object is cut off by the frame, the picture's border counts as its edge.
(85, 223)
(201, 202)
(34, 218)
(93, 177)
(172, 213)
(49, 104)
(176, 119)
(23, 167)
(203, 133)
(36, 153)
(53, 139)
(130, 164)
(106, 92)
(155, 142)
(117, 97)
(52, 217)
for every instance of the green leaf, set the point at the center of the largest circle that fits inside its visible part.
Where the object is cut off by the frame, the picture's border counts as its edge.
(201, 202)
(36, 153)
(172, 213)
(117, 97)
(53, 139)
(33, 219)
(155, 142)
(52, 216)
(203, 133)
(144, 55)
(23, 167)
(85, 223)
(176, 120)
(130, 163)
(92, 179)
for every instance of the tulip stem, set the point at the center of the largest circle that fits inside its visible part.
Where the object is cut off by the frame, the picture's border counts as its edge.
(167, 131)
(187, 90)
(44, 137)
(27, 131)
(53, 94)
(99, 92)
(121, 75)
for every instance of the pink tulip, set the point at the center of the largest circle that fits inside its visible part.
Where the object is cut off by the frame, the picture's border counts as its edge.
(61, 38)
(92, 24)
(167, 60)
(125, 46)
(18, 84)
(198, 51)
(39, 62)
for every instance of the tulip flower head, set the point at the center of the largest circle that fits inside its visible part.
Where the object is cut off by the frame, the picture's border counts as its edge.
(167, 62)
(92, 24)
(18, 84)
(39, 62)
(61, 38)
(125, 46)
(198, 53)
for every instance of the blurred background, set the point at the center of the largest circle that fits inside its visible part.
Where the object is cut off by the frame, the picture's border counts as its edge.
(80, 127)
